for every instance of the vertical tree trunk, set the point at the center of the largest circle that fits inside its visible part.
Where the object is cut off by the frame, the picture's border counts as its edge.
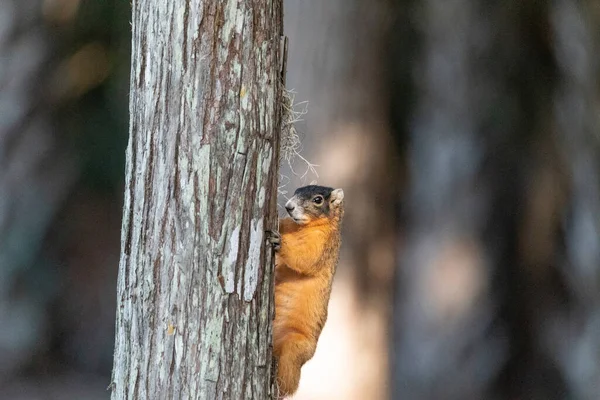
(571, 328)
(443, 339)
(36, 173)
(194, 289)
(462, 314)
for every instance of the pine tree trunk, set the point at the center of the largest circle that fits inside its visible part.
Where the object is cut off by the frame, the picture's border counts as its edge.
(194, 289)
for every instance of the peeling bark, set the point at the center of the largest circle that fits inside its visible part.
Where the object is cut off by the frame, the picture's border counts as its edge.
(194, 296)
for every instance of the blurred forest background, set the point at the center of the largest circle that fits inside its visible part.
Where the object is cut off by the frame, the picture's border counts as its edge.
(465, 134)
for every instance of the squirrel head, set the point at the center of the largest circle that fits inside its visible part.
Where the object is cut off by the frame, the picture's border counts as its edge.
(313, 202)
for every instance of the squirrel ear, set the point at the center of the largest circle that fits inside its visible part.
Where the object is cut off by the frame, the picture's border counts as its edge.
(337, 196)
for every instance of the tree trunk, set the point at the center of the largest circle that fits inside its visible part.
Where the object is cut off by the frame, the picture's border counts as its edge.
(462, 309)
(571, 328)
(36, 173)
(498, 291)
(195, 283)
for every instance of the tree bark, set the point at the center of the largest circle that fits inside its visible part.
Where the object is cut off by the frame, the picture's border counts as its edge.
(195, 283)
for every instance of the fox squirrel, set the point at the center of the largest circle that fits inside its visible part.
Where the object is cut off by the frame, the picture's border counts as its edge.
(307, 251)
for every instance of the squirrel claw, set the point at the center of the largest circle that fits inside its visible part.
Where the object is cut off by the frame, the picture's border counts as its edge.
(274, 239)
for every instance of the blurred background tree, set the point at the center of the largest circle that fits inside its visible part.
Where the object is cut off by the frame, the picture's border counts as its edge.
(465, 135)
(497, 282)
(36, 174)
(65, 67)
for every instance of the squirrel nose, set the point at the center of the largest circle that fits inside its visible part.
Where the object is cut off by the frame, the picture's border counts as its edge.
(289, 207)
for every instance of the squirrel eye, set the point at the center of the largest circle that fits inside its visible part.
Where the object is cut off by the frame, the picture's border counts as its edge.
(318, 199)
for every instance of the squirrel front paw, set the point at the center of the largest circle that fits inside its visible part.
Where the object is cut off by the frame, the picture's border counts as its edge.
(274, 239)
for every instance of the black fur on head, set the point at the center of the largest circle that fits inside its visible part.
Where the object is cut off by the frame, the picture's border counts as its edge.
(312, 202)
(307, 192)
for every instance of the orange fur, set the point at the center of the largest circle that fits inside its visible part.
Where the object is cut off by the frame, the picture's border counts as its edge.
(304, 270)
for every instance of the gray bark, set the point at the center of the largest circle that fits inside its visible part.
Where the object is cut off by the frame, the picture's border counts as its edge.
(194, 289)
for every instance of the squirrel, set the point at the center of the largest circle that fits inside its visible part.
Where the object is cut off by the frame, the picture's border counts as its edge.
(307, 249)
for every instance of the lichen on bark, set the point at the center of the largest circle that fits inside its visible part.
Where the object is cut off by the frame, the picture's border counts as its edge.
(195, 279)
